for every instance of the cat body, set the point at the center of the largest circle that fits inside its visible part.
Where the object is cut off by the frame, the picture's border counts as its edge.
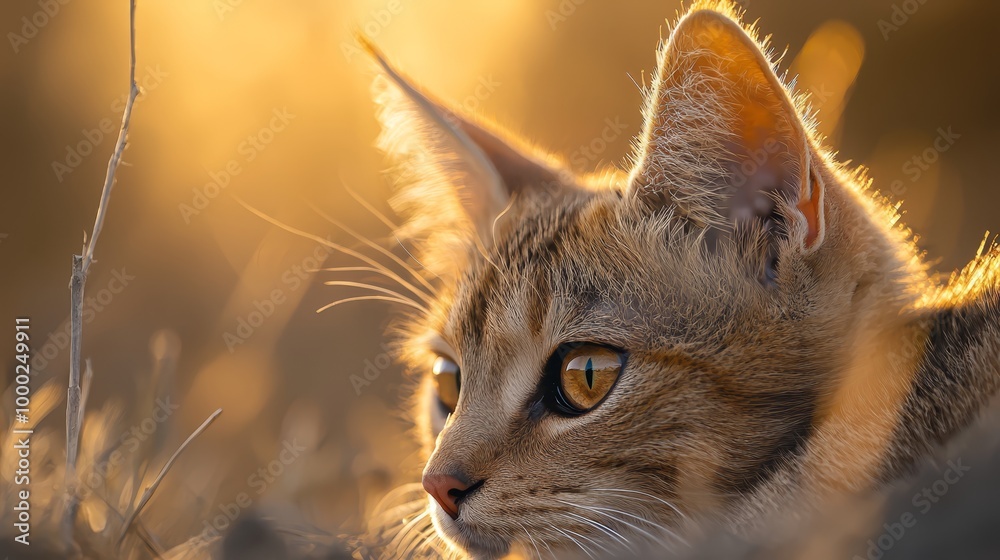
(733, 329)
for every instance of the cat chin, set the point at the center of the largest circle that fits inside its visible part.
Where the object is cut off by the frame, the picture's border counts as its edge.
(460, 536)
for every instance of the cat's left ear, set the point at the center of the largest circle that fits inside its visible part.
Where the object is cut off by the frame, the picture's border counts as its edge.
(458, 175)
(723, 143)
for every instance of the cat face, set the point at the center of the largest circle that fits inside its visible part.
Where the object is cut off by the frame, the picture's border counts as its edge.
(609, 360)
(679, 415)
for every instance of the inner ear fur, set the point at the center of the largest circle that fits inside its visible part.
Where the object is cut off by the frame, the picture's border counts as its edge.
(723, 143)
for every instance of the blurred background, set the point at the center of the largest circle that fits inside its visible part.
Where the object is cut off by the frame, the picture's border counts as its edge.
(269, 101)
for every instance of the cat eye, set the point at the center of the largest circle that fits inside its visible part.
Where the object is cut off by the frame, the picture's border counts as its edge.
(447, 382)
(586, 374)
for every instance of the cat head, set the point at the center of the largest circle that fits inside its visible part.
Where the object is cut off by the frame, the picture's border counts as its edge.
(609, 358)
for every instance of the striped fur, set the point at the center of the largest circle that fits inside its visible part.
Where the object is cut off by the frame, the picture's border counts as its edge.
(782, 352)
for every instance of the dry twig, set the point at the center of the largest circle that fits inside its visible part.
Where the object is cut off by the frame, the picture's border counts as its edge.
(81, 265)
(163, 472)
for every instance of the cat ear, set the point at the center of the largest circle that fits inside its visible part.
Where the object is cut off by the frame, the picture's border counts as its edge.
(722, 143)
(458, 175)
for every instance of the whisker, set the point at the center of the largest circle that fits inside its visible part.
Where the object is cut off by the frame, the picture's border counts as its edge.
(327, 243)
(661, 500)
(409, 254)
(636, 84)
(424, 295)
(414, 488)
(391, 225)
(606, 530)
(345, 269)
(388, 223)
(402, 511)
(419, 540)
(493, 226)
(401, 536)
(399, 495)
(602, 511)
(370, 298)
(368, 206)
(576, 542)
(588, 539)
(350, 269)
(432, 542)
(549, 548)
(670, 533)
(372, 287)
(532, 539)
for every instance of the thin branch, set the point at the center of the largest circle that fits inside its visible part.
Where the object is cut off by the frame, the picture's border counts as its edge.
(148, 538)
(77, 397)
(76, 284)
(116, 156)
(88, 378)
(78, 280)
(151, 541)
(163, 472)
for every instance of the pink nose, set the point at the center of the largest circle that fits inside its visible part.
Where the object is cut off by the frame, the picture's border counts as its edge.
(447, 491)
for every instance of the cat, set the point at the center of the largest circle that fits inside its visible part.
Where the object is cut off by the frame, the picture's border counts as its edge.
(735, 328)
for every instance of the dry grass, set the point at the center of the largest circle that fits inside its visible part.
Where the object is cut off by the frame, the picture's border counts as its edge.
(90, 489)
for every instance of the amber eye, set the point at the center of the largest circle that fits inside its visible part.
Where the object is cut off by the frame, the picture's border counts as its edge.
(447, 382)
(586, 375)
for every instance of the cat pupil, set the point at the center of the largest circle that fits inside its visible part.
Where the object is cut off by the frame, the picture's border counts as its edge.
(590, 373)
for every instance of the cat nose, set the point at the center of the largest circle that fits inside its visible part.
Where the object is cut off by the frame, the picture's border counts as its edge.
(448, 491)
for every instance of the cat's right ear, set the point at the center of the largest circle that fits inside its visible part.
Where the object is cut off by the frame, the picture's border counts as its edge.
(723, 144)
(457, 176)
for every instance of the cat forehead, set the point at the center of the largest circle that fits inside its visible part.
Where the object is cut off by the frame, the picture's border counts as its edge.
(546, 249)
(501, 280)
(586, 268)
(594, 270)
